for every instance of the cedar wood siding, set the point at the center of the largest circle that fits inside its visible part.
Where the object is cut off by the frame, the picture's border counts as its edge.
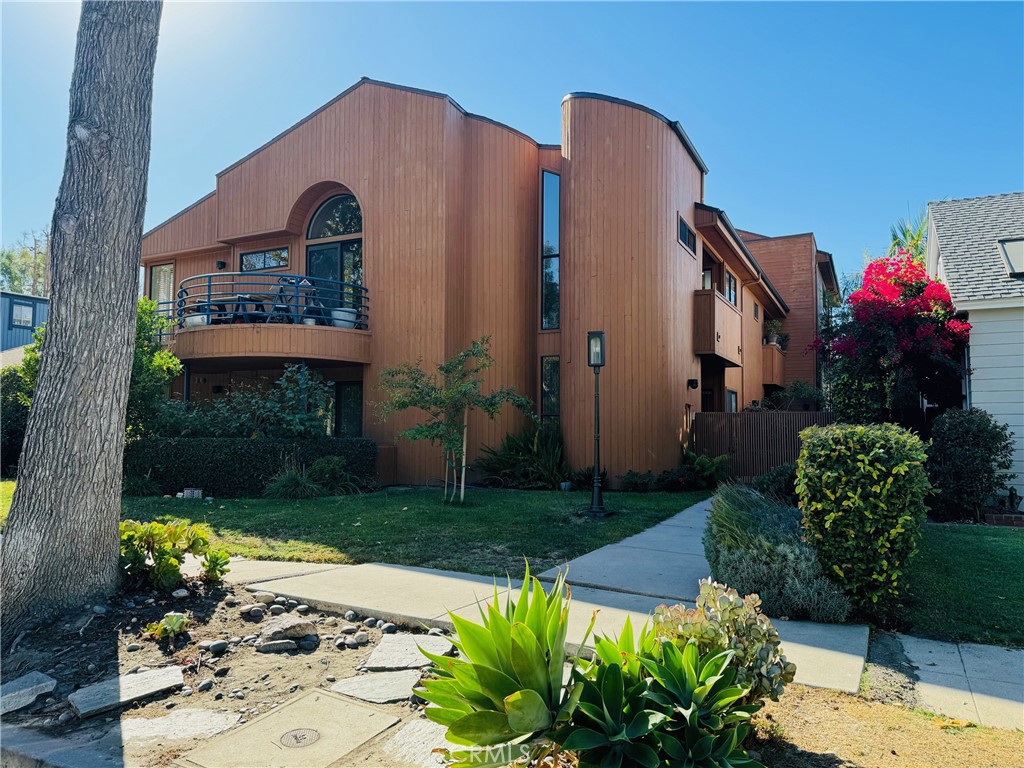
(625, 179)
(790, 263)
(451, 208)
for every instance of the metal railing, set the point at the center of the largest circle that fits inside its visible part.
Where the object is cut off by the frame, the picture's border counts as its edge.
(227, 298)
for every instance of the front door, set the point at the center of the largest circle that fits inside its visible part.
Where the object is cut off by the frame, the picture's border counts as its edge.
(338, 267)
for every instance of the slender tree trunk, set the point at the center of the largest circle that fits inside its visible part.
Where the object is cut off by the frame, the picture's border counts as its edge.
(465, 435)
(61, 543)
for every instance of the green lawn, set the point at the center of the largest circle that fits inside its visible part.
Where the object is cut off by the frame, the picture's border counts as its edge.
(967, 584)
(6, 493)
(490, 534)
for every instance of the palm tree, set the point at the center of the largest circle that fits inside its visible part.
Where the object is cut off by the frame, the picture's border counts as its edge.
(910, 236)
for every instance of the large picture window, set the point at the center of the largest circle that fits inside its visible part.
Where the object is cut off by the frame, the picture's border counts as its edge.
(550, 387)
(273, 258)
(550, 293)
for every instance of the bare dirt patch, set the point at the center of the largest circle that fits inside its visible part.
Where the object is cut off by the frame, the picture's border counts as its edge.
(813, 728)
(85, 647)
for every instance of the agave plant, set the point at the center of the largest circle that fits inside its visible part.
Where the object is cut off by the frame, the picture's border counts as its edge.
(613, 724)
(506, 687)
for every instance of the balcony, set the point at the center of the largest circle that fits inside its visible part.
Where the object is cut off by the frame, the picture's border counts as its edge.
(717, 328)
(773, 361)
(252, 315)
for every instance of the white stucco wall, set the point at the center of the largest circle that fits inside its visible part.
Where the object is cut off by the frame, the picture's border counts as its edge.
(997, 380)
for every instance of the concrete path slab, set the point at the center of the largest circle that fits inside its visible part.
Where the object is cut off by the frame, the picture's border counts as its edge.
(668, 539)
(692, 517)
(402, 594)
(638, 570)
(981, 683)
(248, 571)
(826, 655)
(28, 747)
(403, 652)
(302, 733)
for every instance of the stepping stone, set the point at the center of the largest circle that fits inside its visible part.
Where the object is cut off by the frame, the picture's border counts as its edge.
(414, 745)
(379, 687)
(118, 691)
(403, 652)
(303, 733)
(277, 646)
(23, 691)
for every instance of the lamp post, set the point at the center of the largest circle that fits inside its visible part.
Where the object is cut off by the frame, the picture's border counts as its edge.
(595, 359)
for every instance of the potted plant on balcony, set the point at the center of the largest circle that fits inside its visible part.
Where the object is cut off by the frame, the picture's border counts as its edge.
(772, 326)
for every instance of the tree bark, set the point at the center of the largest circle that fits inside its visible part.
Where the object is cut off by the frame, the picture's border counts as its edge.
(61, 543)
(465, 446)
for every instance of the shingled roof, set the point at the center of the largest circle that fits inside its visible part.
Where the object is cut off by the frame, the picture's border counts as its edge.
(968, 232)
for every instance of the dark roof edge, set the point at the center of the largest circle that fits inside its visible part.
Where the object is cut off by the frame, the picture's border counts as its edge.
(673, 124)
(182, 212)
(19, 295)
(384, 84)
(780, 237)
(832, 268)
(746, 252)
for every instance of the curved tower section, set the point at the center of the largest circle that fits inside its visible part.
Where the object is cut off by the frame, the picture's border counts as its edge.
(628, 176)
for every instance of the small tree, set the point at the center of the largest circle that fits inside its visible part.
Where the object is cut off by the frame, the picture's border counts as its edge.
(446, 398)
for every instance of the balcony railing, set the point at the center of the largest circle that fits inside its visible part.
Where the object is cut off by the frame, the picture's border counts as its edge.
(245, 297)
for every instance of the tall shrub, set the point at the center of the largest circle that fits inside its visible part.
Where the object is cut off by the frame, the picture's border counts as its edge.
(968, 463)
(862, 490)
(896, 336)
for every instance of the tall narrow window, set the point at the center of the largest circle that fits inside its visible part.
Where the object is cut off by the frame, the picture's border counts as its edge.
(550, 387)
(550, 296)
(732, 402)
(687, 237)
(348, 409)
(161, 283)
(730, 288)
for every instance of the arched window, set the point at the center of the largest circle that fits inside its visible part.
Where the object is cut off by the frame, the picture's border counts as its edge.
(339, 215)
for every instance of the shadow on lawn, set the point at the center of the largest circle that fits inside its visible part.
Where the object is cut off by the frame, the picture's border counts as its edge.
(782, 754)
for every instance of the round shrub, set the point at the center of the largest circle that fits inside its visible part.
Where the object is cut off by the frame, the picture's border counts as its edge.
(779, 483)
(331, 472)
(862, 492)
(968, 463)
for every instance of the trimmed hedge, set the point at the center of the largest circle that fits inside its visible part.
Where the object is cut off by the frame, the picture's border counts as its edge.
(862, 491)
(233, 467)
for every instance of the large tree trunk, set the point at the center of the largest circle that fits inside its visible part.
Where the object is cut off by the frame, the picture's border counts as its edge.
(61, 543)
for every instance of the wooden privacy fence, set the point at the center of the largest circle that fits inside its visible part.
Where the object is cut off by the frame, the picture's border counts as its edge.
(754, 441)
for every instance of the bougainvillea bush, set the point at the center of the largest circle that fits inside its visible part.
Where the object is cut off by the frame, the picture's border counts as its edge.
(897, 336)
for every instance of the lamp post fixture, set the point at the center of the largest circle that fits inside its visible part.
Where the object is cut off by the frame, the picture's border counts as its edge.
(596, 360)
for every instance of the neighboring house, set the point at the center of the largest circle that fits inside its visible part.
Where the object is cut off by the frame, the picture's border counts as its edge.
(391, 225)
(806, 278)
(20, 314)
(976, 247)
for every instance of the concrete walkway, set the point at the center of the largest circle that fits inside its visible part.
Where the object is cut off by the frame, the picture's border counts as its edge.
(980, 683)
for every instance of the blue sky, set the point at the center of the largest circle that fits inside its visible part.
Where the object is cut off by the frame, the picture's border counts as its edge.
(836, 118)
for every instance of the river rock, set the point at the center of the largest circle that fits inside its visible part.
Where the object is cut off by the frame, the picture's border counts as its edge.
(264, 597)
(277, 646)
(277, 610)
(388, 628)
(205, 685)
(287, 626)
(179, 593)
(217, 647)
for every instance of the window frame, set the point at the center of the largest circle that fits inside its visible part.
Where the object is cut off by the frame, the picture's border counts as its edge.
(732, 401)
(757, 312)
(31, 314)
(320, 207)
(547, 258)
(545, 362)
(691, 236)
(731, 285)
(264, 251)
